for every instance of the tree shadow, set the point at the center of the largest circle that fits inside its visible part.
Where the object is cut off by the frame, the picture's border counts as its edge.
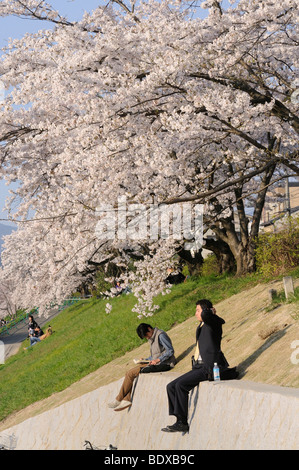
(244, 365)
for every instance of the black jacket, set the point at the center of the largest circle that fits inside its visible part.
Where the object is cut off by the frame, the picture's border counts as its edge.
(209, 337)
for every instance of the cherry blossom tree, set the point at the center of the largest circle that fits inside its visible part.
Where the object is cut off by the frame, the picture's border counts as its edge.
(147, 101)
(7, 307)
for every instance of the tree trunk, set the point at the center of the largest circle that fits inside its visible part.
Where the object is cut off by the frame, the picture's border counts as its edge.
(242, 241)
(245, 259)
(222, 251)
(194, 263)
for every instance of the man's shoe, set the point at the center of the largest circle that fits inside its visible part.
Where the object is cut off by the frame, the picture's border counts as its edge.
(176, 427)
(113, 404)
(123, 405)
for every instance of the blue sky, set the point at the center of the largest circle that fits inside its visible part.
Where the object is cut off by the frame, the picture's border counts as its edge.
(16, 27)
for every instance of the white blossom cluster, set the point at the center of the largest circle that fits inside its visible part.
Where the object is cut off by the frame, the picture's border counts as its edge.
(141, 100)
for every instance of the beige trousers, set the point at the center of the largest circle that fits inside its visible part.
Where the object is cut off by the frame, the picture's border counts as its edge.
(126, 388)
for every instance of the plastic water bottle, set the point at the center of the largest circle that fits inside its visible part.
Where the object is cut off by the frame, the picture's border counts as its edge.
(216, 372)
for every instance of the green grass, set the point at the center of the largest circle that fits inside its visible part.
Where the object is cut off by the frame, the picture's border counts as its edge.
(86, 338)
(280, 298)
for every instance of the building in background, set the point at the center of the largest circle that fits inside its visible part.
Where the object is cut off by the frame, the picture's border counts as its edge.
(280, 202)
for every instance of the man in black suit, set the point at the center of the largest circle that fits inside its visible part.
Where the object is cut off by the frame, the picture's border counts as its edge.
(208, 339)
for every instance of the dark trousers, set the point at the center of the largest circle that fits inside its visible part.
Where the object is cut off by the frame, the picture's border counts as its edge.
(161, 367)
(178, 391)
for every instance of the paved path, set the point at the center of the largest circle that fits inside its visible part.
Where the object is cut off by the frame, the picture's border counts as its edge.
(19, 333)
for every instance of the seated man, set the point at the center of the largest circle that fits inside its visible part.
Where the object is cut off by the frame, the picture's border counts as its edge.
(208, 338)
(161, 359)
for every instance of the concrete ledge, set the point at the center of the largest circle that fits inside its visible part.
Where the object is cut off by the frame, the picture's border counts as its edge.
(228, 415)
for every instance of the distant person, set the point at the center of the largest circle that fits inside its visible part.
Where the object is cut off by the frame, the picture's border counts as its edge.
(118, 288)
(208, 339)
(174, 277)
(38, 332)
(36, 339)
(161, 359)
(31, 325)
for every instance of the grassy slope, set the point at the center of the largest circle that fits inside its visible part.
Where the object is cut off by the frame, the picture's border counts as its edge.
(86, 338)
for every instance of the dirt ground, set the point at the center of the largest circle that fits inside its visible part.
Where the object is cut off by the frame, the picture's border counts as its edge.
(257, 340)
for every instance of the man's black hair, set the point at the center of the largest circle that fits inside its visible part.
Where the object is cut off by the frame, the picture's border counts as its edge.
(204, 303)
(142, 329)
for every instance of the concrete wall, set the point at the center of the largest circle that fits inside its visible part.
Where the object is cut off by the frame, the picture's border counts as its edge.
(228, 415)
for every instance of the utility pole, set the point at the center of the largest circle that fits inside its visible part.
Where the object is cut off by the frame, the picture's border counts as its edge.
(287, 196)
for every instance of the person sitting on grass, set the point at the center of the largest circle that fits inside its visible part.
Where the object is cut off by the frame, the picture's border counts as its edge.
(36, 339)
(38, 332)
(161, 359)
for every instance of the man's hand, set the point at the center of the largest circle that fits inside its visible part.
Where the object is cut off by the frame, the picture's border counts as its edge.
(154, 362)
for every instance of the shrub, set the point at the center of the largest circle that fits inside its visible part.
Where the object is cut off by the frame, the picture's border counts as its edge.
(278, 252)
(101, 285)
(210, 266)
